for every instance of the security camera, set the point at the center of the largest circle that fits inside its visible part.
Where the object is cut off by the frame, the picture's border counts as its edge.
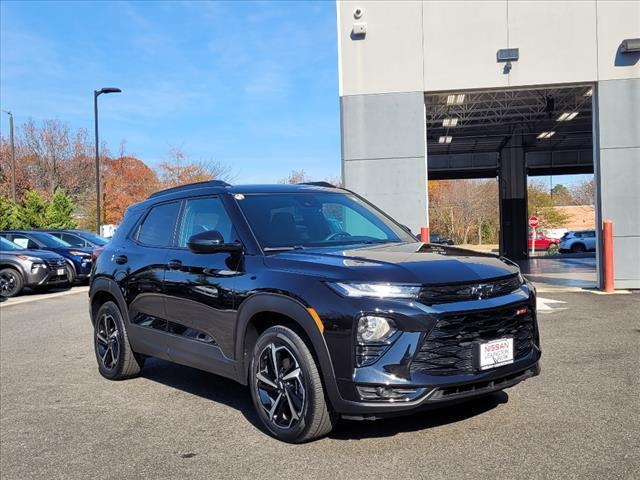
(357, 13)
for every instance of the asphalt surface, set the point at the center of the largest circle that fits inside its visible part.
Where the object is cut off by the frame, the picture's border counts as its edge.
(60, 419)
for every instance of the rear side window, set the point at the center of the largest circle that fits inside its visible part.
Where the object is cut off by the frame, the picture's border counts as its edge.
(202, 215)
(72, 239)
(158, 226)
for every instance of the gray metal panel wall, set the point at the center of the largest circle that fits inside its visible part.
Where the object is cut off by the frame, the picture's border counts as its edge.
(383, 153)
(619, 139)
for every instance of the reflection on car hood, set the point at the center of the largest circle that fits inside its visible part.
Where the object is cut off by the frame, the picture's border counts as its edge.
(397, 262)
(43, 254)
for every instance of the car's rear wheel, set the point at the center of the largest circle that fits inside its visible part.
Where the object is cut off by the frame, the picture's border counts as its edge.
(578, 248)
(116, 360)
(286, 388)
(11, 282)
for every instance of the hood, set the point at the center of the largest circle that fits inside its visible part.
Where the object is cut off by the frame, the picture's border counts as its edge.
(66, 250)
(43, 254)
(397, 263)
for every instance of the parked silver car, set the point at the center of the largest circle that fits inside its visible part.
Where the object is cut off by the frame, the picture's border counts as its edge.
(577, 242)
(21, 268)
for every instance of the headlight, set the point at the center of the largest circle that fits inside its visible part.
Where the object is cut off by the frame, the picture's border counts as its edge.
(80, 254)
(374, 329)
(375, 290)
(27, 258)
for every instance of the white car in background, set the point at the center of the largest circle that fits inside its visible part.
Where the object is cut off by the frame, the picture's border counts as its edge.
(578, 242)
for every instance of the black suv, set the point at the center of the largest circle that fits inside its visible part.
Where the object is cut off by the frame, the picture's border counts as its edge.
(313, 297)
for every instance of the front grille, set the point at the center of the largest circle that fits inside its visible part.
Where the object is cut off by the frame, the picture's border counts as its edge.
(56, 263)
(449, 347)
(431, 295)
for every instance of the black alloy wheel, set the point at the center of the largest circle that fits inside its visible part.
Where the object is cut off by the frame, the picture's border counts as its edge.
(10, 282)
(280, 385)
(286, 387)
(116, 360)
(107, 342)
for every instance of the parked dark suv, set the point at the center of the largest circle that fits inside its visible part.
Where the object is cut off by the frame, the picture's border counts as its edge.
(317, 300)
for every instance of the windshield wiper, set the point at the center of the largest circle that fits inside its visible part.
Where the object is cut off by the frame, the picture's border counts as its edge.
(283, 249)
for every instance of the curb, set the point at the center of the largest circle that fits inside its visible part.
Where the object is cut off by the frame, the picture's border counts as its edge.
(45, 296)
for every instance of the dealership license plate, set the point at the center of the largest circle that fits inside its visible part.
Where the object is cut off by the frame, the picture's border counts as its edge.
(496, 353)
(60, 271)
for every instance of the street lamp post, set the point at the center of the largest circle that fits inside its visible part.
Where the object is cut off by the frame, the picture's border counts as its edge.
(96, 94)
(13, 157)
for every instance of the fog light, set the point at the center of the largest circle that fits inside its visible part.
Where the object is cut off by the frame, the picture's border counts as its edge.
(388, 394)
(374, 329)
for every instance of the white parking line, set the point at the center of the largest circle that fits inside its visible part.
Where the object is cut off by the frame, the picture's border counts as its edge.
(44, 296)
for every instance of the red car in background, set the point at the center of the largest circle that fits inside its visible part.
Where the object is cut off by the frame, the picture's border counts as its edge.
(542, 241)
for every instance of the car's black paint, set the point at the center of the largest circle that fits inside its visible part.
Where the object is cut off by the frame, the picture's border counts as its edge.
(204, 309)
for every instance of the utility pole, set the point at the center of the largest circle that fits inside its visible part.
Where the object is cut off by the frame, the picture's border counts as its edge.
(96, 94)
(13, 157)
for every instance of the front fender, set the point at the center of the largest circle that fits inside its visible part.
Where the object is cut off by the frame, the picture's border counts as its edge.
(294, 309)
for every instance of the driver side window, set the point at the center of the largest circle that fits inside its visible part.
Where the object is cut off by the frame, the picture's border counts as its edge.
(202, 215)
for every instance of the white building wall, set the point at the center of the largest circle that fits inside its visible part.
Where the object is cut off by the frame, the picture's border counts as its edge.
(446, 45)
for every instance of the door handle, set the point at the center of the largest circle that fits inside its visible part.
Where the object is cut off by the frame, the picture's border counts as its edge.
(121, 259)
(174, 264)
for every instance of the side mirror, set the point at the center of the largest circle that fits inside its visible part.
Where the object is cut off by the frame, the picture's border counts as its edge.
(211, 241)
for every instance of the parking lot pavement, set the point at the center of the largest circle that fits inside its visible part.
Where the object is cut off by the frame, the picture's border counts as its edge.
(59, 419)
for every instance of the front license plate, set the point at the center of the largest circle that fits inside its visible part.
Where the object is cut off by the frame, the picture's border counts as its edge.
(496, 353)
(60, 271)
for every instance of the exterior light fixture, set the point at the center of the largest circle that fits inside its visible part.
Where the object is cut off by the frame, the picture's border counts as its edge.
(546, 135)
(445, 139)
(455, 99)
(630, 45)
(449, 122)
(566, 116)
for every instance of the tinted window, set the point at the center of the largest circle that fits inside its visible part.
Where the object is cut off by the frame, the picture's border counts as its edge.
(318, 219)
(73, 240)
(24, 242)
(95, 239)
(158, 226)
(589, 234)
(202, 215)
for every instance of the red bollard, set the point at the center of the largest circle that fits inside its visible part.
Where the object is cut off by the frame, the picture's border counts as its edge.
(607, 247)
(424, 234)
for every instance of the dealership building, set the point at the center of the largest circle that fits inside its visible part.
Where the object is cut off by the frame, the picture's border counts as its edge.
(494, 89)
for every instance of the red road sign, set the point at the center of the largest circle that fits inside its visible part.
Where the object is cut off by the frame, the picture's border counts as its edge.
(533, 222)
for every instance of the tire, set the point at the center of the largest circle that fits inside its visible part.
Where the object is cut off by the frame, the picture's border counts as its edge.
(11, 282)
(71, 275)
(116, 360)
(300, 396)
(578, 248)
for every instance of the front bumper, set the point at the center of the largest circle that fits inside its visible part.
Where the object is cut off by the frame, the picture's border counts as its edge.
(397, 369)
(45, 277)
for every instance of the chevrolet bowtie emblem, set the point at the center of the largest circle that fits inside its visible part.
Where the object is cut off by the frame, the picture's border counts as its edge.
(482, 290)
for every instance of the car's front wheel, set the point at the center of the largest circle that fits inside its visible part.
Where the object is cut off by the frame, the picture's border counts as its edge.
(286, 388)
(11, 282)
(116, 360)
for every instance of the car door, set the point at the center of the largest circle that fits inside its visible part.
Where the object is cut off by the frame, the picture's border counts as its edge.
(199, 290)
(139, 268)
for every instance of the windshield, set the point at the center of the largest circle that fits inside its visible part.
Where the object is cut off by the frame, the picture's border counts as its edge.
(312, 219)
(95, 239)
(49, 240)
(7, 245)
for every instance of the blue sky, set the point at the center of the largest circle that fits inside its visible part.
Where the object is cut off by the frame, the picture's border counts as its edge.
(251, 85)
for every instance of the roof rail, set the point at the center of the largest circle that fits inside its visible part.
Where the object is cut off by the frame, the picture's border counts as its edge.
(318, 184)
(190, 186)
